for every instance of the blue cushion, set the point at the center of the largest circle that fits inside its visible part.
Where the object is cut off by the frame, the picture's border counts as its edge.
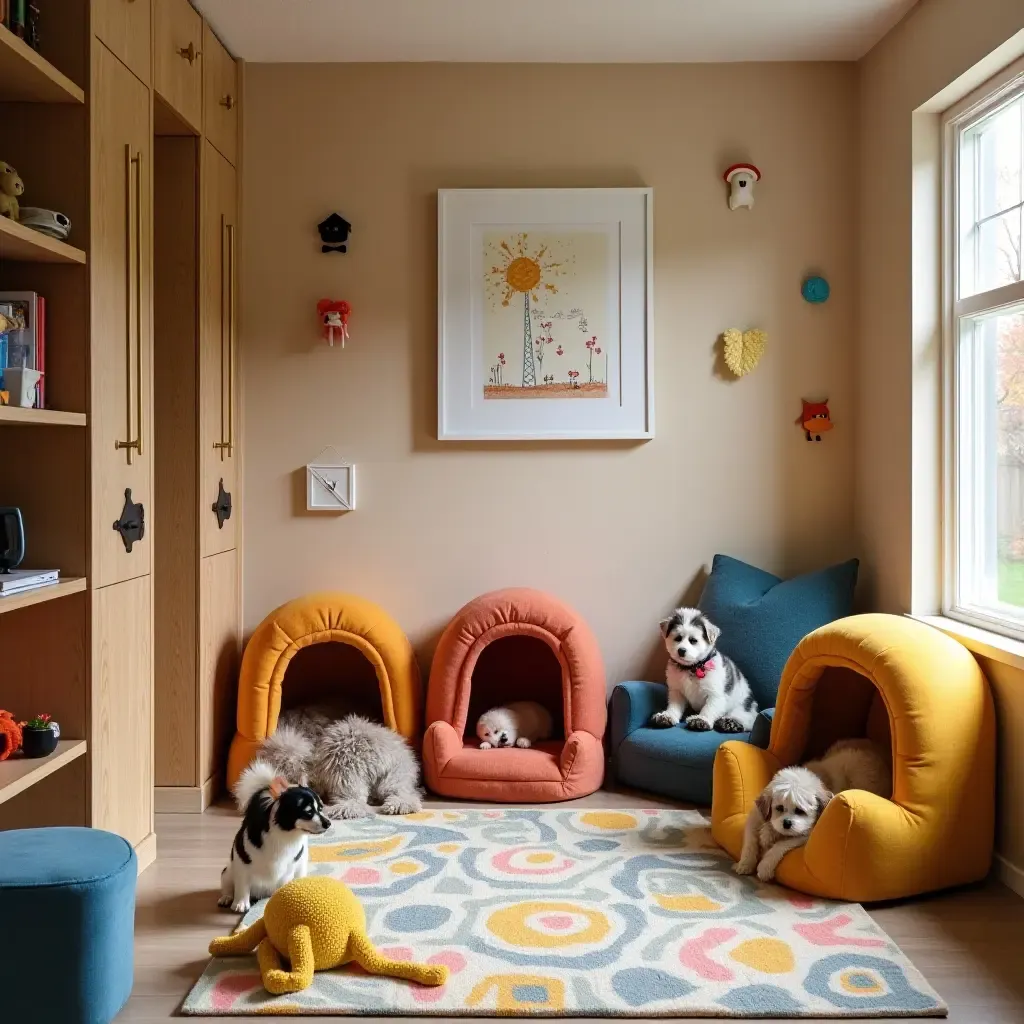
(763, 617)
(66, 949)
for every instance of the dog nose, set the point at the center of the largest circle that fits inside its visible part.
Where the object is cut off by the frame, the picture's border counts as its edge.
(787, 822)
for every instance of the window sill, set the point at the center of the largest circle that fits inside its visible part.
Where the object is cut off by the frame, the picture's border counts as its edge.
(979, 641)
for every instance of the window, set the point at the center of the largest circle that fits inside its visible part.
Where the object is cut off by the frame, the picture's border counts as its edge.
(985, 359)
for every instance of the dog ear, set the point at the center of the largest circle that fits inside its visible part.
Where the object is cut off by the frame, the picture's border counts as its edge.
(666, 625)
(764, 804)
(711, 631)
(823, 801)
(277, 786)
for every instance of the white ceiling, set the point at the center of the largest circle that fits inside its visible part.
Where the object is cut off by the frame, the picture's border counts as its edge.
(551, 31)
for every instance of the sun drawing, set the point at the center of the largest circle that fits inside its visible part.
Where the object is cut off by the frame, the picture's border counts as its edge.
(517, 270)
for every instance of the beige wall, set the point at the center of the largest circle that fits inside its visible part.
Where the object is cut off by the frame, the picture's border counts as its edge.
(618, 530)
(897, 347)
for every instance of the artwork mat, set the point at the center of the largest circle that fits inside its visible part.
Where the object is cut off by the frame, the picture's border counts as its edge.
(320, 497)
(626, 214)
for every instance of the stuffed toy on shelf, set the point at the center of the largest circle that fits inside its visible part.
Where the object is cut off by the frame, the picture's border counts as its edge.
(317, 924)
(10, 735)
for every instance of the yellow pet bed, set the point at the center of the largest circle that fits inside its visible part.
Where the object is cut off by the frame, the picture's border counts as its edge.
(316, 619)
(903, 684)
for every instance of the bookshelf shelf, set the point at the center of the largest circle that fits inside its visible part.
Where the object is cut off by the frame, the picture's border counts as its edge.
(40, 417)
(25, 77)
(66, 587)
(25, 245)
(19, 773)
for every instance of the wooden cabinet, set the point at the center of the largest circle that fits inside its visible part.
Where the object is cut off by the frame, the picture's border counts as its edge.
(220, 97)
(121, 744)
(218, 363)
(120, 419)
(178, 58)
(219, 651)
(125, 27)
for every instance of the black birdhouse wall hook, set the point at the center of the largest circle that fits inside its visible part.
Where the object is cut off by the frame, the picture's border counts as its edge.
(334, 232)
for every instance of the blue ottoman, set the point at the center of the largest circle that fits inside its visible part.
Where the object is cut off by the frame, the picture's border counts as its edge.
(67, 907)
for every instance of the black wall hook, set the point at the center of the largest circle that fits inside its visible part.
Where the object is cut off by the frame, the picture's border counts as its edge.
(334, 232)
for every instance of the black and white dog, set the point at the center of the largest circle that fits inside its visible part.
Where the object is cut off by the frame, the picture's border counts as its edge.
(272, 846)
(705, 688)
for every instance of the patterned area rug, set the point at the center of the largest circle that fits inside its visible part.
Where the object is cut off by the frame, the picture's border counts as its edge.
(581, 913)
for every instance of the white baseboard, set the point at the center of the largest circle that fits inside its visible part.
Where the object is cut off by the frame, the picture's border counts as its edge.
(186, 799)
(1010, 875)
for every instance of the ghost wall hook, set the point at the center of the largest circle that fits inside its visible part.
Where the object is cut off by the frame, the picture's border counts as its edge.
(333, 315)
(334, 232)
(740, 179)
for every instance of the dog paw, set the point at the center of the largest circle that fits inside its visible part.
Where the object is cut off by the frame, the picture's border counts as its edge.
(348, 809)
(664, 720)
(523, 742)
(224, 901)
(697, 724)
(728, 725)
(240, 906)
(398, 805)
(485, 745)
(766, 871)
(744, 867)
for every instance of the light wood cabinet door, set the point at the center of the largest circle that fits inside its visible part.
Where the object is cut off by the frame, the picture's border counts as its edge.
(121, 743)
(125, 25)
(219, 651)
(220, 97)
(218, 363)
(178, 58)
(120, 409)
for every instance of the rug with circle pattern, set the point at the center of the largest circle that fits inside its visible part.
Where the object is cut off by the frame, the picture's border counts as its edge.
(581, 913)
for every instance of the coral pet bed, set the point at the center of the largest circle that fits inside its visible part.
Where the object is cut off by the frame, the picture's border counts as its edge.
(510, 645)
(321, 619)
(903, 684)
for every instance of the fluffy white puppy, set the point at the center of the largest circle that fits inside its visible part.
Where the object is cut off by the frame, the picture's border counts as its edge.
(521, 724)
(784, 814)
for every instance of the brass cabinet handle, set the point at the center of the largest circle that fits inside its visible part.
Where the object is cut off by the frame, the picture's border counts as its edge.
(138, 303)
(228, 101)
(129, 446)
(227, 315)
(189, 52)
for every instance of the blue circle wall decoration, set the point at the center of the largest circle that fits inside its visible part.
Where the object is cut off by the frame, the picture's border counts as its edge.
(815, 289)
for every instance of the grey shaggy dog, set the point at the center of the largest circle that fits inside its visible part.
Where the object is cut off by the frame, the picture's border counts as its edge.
(351, 762)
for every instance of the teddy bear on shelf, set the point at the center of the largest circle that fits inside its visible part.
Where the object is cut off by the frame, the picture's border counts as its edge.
(10, 735)
(11, 186)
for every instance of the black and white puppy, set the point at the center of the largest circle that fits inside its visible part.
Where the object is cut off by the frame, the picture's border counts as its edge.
(272, 846)
(705, 688)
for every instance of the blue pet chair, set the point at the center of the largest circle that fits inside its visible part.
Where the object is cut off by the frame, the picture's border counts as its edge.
(762, 619)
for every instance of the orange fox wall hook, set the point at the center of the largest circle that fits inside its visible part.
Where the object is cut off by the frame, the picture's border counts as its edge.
(815, 419)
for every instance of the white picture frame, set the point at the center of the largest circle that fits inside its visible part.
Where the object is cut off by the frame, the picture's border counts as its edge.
(330, 487)
(575, 265)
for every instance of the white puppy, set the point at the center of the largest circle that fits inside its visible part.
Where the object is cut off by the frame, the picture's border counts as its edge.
(784, 814)
(705, 688)
(521, 723)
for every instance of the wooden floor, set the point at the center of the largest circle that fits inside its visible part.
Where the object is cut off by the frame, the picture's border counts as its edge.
(969, 944)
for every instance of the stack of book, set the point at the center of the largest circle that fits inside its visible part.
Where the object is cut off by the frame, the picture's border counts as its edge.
(17, 581)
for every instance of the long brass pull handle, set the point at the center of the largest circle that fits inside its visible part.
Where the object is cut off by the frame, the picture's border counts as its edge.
(231, 340)
(228, 101)
(129, 446)
(189, 53)
(224, 444)
(138, 303)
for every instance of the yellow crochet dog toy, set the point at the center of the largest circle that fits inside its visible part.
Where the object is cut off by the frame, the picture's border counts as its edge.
(318, 924)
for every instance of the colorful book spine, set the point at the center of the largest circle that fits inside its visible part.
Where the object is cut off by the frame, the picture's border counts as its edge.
(17, 17)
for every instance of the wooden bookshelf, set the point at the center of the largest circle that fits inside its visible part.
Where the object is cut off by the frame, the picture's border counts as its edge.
(19, 773)
(66, 587)
(40, 417)
(26, 77)
(26, 245)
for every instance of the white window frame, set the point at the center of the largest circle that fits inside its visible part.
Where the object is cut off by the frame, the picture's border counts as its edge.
(998, 90)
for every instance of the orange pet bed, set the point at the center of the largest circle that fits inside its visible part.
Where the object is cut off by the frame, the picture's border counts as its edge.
(337, 642)
(515, 645)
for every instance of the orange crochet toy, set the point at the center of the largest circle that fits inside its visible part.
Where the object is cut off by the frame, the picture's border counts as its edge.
(10, 735)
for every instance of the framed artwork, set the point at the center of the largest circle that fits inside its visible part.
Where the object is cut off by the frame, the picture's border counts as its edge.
(545, 314)
(330, 487)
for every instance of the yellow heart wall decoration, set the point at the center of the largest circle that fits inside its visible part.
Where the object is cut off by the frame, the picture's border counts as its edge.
(743, 349)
